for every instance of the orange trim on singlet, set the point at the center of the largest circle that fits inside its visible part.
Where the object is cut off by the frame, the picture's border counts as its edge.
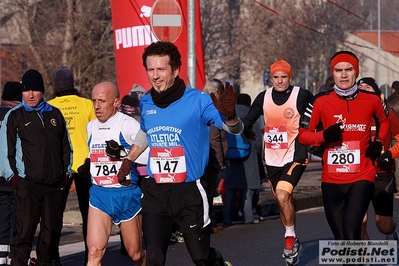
(295, 164)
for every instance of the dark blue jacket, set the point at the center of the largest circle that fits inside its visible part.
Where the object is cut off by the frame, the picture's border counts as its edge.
(34, 147)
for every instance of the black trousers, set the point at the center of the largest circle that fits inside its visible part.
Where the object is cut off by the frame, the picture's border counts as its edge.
(345, 206)
(167, 207)
(82, 186)
(36, 203)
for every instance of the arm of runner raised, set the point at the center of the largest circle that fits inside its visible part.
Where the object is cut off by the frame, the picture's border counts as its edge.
(225, 103)
(236, 128)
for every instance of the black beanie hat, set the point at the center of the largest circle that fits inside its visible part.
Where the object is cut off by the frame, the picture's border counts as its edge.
(32, 80)
(370, 81)
(12, 91)
(244, 99)
(131, 101)
(62, 79)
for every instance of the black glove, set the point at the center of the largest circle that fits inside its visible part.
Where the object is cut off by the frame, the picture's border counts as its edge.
(333, 133)
(124, 171)
(114, 150)
(14, 181)
(84, 169)
(226, 100)
(385, 159)
(373, 151)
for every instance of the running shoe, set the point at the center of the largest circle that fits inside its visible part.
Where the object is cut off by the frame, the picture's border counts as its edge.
(216, 228)
(217, 201)
(291, 250)
(177, 237)
(261, 218)
(32, 262)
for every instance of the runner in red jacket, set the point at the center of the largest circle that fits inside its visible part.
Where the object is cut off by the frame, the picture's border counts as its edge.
(348, 174)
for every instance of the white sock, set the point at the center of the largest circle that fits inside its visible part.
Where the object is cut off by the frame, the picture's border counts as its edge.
(290, 231)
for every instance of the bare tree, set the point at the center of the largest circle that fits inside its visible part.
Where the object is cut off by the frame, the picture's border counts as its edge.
(262, 35)
(217, 23)
(238, 35)
(62, 32)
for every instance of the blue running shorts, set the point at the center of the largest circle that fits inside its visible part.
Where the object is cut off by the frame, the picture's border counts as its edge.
(121, 204)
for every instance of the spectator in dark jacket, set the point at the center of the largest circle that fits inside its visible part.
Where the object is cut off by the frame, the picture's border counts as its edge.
(37, 159)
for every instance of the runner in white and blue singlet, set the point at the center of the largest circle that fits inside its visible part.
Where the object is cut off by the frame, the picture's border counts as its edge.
(110, 202)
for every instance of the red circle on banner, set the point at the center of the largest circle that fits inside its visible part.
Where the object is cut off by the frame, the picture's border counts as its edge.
(166, 20)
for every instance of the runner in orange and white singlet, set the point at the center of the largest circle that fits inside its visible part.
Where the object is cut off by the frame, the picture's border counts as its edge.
(286, 159)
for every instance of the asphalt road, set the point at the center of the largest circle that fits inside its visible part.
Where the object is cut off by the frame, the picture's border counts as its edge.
(242, 245)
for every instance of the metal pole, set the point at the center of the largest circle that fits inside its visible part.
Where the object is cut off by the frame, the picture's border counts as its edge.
(192, 83)
(379, 43)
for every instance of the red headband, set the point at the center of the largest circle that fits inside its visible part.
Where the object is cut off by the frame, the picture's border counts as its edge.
(345, 57)
(281, 65)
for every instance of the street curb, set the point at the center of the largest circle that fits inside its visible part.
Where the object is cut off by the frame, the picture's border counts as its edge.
(270, 207)
(311, 201)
